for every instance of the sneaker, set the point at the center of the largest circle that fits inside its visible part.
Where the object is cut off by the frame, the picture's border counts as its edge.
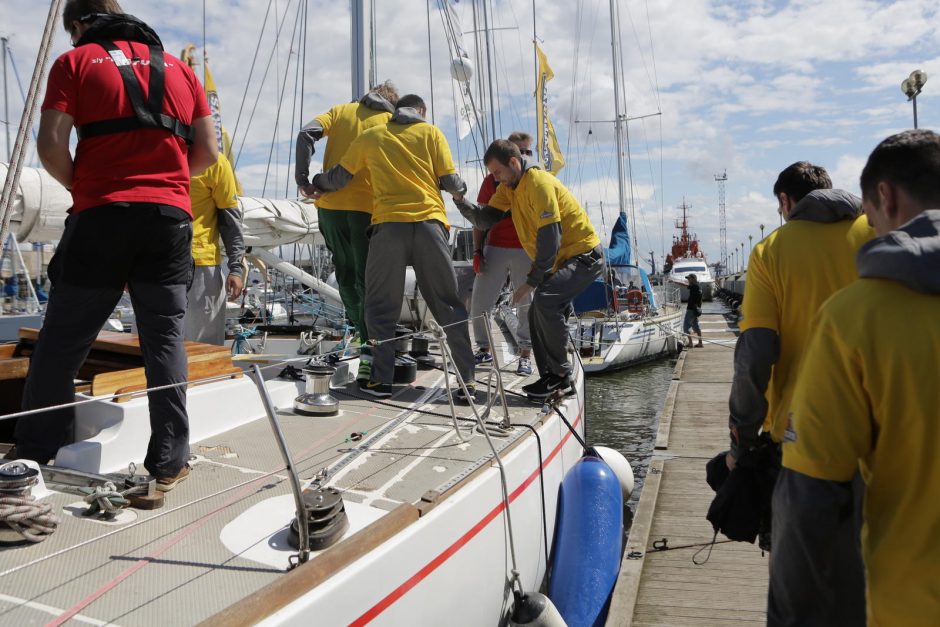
(524, 367)
(378, 390)
(165, 484)
(365, 371)
(460, 396)
(483, 356)
(546, 386)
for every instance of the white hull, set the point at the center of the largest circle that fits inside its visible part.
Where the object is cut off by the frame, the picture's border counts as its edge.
(608, 344)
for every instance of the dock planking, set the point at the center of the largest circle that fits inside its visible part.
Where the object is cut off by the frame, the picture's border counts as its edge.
(665, 587)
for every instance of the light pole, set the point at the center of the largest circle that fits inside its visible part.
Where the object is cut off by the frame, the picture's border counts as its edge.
(911, 87)
(750, 242)
(762, 231)
(742, 256)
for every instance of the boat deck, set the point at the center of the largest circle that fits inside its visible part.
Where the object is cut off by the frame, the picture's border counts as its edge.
(666, 587)
(222, 534)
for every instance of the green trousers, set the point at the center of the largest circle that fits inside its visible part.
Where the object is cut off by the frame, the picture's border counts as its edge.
(345, 235)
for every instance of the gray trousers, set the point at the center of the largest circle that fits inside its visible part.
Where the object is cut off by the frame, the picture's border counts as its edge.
(817, 577)
(548, 315)
(74, 316)
(498, 262)
(423, 245)
(205, 310)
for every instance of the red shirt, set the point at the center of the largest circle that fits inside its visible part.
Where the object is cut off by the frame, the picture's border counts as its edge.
(503, 233)
(147, 165)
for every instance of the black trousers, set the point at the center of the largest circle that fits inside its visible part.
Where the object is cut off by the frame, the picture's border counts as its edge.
(148, 248)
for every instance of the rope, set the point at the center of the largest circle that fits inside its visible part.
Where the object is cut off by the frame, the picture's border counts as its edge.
(33, 520)
(107, 499)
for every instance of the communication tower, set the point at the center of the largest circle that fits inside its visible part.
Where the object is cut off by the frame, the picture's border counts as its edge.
(722, 222)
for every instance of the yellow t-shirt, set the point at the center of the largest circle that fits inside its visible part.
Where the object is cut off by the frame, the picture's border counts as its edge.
(405, 162)
(541, 199)
(789, 275)
(341, 126)
(868, 392)
(212, 190)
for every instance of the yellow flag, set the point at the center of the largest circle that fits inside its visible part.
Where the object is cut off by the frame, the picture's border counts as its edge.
(546, 143)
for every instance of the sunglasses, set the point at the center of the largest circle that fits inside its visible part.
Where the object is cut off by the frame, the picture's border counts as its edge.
(528, 153)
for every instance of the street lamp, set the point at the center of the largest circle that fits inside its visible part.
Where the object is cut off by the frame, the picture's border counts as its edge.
(911, 87)
(762, 231)
(750, 242)
(742, 256)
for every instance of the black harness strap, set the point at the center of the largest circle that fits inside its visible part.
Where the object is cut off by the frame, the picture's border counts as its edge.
(146, 115)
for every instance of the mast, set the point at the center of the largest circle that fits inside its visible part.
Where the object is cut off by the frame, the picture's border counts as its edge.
(618, 115)
(489, 70)
(363, 37)
(6, 102)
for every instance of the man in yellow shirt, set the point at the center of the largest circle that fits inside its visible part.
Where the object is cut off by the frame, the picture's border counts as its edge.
(867, 396)
(564, 248)
(215, 215)
(790, 274)
(409, 162)
(345, 214)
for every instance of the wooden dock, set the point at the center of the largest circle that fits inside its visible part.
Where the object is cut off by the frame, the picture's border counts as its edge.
(666, 587)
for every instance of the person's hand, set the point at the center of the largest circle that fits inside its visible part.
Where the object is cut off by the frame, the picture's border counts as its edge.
(311, 191)
(521, 293)
(730, 461)
(233, 286)
(457, 197)
(478, 262)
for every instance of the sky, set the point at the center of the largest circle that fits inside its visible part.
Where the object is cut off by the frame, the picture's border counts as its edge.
(744, 87)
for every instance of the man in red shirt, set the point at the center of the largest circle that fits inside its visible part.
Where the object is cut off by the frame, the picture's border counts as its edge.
(501, 256)
(144, 128)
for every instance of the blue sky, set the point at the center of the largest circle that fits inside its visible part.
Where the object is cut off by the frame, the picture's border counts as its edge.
(747, 86)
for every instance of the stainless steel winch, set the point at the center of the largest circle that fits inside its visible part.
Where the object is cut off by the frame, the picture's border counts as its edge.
(316, 399)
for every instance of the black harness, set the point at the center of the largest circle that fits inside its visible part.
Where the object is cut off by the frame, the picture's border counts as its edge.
(147, 114)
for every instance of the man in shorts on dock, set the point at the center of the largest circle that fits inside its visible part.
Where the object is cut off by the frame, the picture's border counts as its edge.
(692, 311)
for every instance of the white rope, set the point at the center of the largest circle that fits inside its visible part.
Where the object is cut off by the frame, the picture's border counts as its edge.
(33, 520)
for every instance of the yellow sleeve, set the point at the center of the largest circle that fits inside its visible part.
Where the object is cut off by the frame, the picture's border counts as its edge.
(326, 120)
(443, 161)
(501, 199)
(543, 200)
(830, 425)
(355, 157)
(760, 308)
(224, 187)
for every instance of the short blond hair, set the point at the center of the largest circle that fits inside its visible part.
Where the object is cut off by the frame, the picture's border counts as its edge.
(388, 91)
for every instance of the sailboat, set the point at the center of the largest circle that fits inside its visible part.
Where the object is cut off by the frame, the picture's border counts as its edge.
(619, 320)
(307, 503)
(687, 258)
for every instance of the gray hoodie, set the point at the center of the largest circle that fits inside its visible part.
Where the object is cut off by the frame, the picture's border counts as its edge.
(313, 131)
(910, 255)
(827, 205)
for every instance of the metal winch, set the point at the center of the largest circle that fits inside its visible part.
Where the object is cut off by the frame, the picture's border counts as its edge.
(326, 519)
(420, 352)
(316, 399)
(21, 517)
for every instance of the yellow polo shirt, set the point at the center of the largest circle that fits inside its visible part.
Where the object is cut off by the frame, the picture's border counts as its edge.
(789, 275)
(405, 162)
(541, 199)
(212, 190)
(341, 126)
(868, 393)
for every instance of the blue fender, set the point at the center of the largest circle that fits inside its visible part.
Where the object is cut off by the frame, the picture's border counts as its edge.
(588, 543)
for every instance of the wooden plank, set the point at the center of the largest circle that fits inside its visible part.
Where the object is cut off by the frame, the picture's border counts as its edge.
(232, 371)
(200, 366)
(7, 351)
(627, 587)
(14, 368)
(680, 364)
(280, 593)
(665, 420)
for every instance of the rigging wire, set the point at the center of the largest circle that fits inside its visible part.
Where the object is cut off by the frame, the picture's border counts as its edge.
(251, 72)
(293, 119)
(427, 6)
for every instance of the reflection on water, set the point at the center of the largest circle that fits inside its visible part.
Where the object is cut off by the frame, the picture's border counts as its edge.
(622, 410)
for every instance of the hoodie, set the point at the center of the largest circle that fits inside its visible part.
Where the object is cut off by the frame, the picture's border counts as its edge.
(827, 205)
(910, 255)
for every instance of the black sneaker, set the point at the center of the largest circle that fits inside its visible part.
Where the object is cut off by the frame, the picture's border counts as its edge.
(460, 396)
(546, 386)
(378, 390)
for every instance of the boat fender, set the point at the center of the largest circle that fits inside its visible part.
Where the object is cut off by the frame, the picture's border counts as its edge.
(621, 467)
(535, 610)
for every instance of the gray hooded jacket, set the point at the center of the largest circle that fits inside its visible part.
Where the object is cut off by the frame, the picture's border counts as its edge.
(547, 239)
(313, 131)
(758, 349)
(910, 255)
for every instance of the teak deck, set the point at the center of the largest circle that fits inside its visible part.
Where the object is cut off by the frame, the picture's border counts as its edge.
(665, 587)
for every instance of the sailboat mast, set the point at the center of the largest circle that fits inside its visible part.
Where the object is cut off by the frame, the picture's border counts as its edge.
(618, 115)
(6, 102)
(362, 39)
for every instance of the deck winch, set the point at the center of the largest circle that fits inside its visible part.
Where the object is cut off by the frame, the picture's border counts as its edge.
(316, 399)
(406, 367)
(325, 516)
(420, 352)
(22, 518)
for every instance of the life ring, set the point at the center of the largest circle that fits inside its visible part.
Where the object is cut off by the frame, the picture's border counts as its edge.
(635, 301)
